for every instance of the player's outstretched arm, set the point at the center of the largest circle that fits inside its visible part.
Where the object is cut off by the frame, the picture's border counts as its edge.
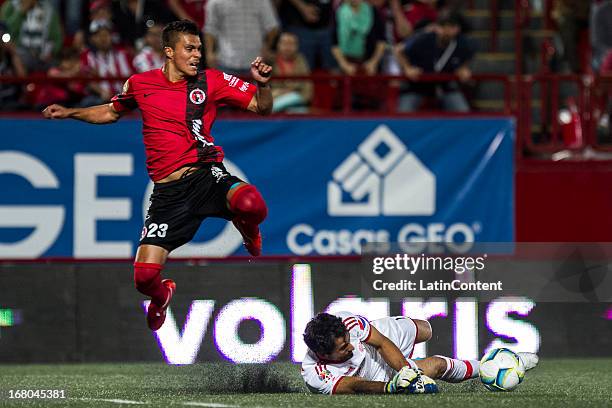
(357, 385)
(262, 101)
(404, 381)
(387, 349)
(99, 114)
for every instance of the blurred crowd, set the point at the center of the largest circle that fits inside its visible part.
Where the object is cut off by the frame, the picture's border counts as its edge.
(116, 38)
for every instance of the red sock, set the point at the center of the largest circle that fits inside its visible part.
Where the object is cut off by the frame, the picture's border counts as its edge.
(147, 277)
(459, 370)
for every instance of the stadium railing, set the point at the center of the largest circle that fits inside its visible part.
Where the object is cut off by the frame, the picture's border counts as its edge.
(564, 120)
(538, 130)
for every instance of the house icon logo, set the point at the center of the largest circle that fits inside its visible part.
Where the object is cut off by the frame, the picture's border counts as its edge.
(382, 177)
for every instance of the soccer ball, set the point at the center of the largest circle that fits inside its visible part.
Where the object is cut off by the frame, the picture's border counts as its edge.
(501, 370)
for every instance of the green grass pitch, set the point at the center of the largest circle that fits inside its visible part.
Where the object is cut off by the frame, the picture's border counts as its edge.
(555, 383)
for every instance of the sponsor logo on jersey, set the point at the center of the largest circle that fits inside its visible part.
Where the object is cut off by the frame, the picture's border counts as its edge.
(232, 80)
(217, 173)
(196, 126)
(352, 322)
(197, 96)
(323, 373)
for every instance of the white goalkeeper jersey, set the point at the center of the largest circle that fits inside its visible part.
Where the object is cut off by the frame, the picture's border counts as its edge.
(322, 376)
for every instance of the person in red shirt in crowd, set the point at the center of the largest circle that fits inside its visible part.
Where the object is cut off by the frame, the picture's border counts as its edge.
(179, 105)
(70, 93)
(104, 59)
(407, 18)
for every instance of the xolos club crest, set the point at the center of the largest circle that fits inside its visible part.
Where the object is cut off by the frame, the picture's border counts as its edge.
(197, 96)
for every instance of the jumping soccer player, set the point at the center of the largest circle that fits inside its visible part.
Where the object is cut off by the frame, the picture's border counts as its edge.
(349, 354)
(179, 105)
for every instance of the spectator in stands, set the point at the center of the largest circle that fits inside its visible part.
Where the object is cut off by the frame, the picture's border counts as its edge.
(194, 10)
(10, 65)
(443, 50)
(36, 30)
(70, 13)
(133, 17)
(152, 54)
(572, 17)
(383, 9)
(311, 22)
(359, 38)
(410, 17)
(74, 16)
(291, 96)
(70, 93)
(104, 59)
(98, 10)
(601, 31)
(240, 30)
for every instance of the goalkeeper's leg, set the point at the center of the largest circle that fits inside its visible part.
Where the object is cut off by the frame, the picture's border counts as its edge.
(448, 369)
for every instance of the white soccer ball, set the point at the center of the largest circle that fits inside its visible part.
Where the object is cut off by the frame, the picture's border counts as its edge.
(501, 370)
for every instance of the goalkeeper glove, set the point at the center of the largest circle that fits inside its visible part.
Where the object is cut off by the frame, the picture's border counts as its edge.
(404, 379)
(411, 381)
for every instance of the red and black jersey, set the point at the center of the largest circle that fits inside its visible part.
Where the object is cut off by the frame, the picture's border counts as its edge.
(177, 116)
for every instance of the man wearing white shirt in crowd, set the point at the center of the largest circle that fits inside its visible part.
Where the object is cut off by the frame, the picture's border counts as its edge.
(152, 54)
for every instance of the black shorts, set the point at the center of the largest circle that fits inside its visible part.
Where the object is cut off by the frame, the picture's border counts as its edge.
(177, 208)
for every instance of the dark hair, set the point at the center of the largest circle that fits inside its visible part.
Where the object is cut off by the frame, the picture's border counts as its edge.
(453, 18)
(322, 331)
(171, 31)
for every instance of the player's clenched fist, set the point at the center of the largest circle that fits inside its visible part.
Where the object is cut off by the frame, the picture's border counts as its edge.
(260, 70)
(55, 112)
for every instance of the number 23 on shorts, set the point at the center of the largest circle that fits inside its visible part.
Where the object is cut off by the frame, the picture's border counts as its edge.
(155, 230)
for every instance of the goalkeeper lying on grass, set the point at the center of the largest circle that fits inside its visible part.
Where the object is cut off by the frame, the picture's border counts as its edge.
(349, 354)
